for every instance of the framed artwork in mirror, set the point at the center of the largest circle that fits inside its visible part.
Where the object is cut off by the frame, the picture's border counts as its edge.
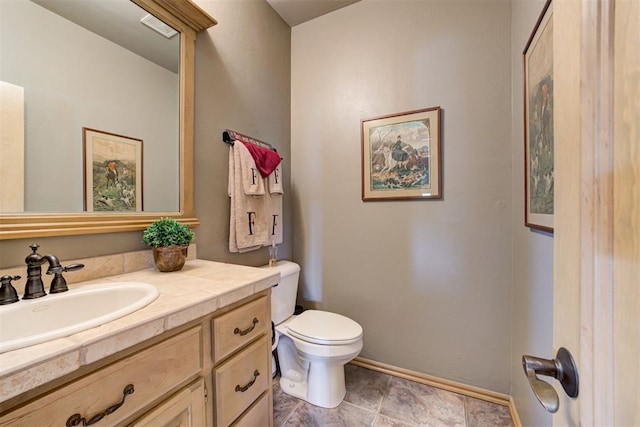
(538, 124)
(112, 172)
(401, 156)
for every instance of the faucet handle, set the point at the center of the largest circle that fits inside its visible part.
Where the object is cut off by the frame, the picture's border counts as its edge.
(73, 267)
(60, 269)
(8, 293)
(59, 283)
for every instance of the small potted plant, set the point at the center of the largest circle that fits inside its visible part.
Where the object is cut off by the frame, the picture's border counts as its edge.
(169, 240)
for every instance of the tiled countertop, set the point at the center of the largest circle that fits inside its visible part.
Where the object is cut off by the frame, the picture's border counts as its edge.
(200, 288)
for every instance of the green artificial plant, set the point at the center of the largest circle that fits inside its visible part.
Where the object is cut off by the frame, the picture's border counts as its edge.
(167, 232)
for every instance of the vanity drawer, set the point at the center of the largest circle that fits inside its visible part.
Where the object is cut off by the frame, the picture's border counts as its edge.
(240, 381)
(258, 415)
(236, 328)
(152, 372)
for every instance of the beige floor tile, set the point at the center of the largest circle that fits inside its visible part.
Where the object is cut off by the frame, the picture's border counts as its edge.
(381, 400)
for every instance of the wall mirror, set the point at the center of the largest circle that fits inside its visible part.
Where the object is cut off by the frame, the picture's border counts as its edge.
(76, 94)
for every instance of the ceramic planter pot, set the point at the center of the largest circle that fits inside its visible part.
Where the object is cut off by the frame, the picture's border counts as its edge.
(170, 258)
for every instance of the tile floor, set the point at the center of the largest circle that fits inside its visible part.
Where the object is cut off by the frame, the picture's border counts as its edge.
(381, 400)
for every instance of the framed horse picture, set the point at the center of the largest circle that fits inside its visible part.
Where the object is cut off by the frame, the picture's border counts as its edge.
(539, 181)
(401, 157)
(112, 172)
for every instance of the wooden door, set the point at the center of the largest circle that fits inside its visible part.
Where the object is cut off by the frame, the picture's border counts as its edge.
(597, 214)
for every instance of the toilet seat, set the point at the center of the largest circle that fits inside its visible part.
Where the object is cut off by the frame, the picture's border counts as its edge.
(324, 328)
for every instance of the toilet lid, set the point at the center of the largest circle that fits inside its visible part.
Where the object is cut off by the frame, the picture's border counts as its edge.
(322, 327)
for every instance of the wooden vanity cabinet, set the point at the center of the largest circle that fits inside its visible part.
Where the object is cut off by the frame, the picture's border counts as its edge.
(167, 381)
(241, 351)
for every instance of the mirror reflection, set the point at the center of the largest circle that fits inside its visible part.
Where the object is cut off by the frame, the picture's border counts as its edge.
(67, 66)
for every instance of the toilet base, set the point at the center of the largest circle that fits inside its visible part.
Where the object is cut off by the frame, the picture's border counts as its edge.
(328, 388)
(294, 388)
(317, 380)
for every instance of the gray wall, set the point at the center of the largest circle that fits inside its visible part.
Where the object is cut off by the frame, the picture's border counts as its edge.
(429, 281)
(532, 289)
(242, 83)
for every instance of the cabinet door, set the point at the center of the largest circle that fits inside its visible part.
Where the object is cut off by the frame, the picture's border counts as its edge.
(184, 409)
(240, 381)
(258, 415)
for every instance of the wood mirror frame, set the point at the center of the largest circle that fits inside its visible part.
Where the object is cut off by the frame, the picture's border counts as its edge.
(187, 18)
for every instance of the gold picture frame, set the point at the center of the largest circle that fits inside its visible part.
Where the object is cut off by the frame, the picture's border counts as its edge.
(401, 156)
(112, 172)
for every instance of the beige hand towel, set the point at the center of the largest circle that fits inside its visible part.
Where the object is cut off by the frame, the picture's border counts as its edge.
(248, 224)
(233, 245)
(274, 217)
(275, 180)
(252, 181)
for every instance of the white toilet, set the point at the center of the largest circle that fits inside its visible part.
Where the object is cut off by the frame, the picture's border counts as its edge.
(312, 347)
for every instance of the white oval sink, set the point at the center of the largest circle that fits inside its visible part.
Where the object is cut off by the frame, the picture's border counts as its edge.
(29, 322)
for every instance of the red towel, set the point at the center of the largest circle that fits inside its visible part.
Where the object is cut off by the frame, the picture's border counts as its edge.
(266, 160)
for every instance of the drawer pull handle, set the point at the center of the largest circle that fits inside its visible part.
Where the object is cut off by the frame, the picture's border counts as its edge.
(77, 419)
(237, 331)
(245, 388)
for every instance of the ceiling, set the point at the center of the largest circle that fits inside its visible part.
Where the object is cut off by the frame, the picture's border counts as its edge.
(119, 21)
(296, 12)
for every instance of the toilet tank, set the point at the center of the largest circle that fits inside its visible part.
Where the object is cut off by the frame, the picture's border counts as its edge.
(283, 296)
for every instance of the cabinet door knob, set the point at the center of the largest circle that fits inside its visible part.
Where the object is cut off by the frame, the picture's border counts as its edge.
(246, 387)
(77, 419)
(242, 333)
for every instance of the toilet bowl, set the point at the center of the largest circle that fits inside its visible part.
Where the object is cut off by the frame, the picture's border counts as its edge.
(313, 347)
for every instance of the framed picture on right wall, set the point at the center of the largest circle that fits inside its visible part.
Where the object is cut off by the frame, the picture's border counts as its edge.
(538, 123)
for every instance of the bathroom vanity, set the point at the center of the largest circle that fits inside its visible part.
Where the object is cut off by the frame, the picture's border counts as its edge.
(200, 354)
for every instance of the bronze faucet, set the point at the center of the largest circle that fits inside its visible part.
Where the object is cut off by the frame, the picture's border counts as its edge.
(34, 287)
